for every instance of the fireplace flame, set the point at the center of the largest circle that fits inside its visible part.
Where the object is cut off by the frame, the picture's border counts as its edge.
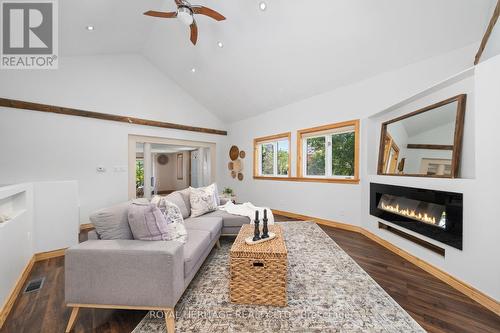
(409, 213)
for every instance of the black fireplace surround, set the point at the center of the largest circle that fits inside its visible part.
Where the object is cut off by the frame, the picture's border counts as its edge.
(435, 214)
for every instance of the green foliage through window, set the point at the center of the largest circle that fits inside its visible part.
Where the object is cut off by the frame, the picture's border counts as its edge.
(274, 158)
(343, 154)
(282, 147)
(139, 173)
(330, 155)
(316, 156)
(267, 159)
(139, 178)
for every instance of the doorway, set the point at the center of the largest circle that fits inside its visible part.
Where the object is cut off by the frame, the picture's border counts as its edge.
(160, 166)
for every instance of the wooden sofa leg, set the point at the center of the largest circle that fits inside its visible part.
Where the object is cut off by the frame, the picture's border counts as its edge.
(170, 320)
(72, 319)
(217, 244)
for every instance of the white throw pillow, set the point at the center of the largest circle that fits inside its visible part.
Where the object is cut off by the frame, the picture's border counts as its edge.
(176, 230)
(175, 221)
(216, 194)
(202, 200)
(212, 188)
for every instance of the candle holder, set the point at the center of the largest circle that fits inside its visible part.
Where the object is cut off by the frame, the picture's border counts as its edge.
(256, 233)
(265, 230)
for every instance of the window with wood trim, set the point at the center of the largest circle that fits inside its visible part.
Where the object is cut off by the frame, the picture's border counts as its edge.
(329, 152)
(272, 156)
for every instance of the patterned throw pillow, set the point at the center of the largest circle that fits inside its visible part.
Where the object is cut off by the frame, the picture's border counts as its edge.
(175, 229)
(147, 223)
(150, 223)
(202, 200)
(175, 222)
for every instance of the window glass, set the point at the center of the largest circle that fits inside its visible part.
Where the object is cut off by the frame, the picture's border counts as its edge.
(315, 158)
(343, 154)
(283, 153)
(139, 178)
(267, 157)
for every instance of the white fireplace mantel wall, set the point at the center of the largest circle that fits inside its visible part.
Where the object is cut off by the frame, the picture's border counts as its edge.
(480, 162)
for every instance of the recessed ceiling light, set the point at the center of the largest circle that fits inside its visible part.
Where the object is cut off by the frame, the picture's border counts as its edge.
(193, 70)
(262, 6)
(89, 27)
(220, 44)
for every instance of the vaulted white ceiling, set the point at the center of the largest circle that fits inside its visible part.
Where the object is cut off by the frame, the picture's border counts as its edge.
(292, 50)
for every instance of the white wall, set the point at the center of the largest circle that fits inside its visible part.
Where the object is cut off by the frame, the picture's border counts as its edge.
(466, 85)
(15, 234)
(468, 265)
(44, 217)
(117, 84)
(493, 46)
(56, 220)
(37, 146)
(485, 230)
(330, 201)
(349, 203)
(166, 175)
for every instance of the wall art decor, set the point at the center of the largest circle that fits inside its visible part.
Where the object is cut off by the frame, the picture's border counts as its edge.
(235, 166)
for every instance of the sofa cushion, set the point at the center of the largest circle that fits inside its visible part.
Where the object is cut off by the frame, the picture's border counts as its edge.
(175, 221)
(202, 200)
(149, 223)
(178, 199)
(112, 222)
(230, 230)
(211, 224)
(229, 220)
(197, 243)
(216, 194)
(186, 193)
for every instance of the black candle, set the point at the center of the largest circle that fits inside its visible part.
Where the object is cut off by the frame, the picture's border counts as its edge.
(256, 233)
(265, 230)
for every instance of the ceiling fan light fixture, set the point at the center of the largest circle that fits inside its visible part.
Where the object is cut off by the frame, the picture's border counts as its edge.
(262, 6)
(220, 44)
(185, 15)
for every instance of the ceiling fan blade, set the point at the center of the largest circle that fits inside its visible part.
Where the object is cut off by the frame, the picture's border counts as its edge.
(161, 14)
(194, 32)
(179, 2)
(208, 12)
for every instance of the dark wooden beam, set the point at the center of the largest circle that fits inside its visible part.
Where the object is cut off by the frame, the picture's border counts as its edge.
(487, 34)
(11, 103)
(429, 146)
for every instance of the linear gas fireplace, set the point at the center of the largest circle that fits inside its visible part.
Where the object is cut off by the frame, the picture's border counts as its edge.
(435, 214)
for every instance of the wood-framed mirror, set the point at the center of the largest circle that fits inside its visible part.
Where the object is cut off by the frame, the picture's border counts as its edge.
(424, 143)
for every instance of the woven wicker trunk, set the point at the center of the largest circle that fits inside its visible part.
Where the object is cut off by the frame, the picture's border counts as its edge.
(259, 272)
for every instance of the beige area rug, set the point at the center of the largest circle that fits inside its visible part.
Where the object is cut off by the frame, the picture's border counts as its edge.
(327, 292)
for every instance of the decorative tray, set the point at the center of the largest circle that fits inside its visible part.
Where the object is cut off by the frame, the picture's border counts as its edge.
(249, 240)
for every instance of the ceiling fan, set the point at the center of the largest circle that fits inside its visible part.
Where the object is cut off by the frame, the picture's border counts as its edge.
(185, 12)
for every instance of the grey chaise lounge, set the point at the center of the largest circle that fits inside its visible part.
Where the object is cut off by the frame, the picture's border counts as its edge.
(140, 275)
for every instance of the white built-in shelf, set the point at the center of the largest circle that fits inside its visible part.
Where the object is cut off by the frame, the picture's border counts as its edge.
(12, 204)
(16, 215)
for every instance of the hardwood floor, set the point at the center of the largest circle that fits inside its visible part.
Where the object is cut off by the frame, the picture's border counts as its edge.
(433, 304)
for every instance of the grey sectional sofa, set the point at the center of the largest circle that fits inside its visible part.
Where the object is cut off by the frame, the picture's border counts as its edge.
(131, 274)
